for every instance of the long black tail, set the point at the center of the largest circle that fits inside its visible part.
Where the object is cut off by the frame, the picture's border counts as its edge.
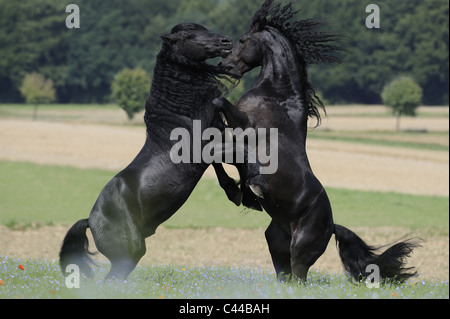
(356, 255)
(74, 249)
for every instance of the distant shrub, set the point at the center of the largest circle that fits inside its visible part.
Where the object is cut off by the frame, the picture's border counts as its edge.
(403, 95)
(36, 89)
(130, 88)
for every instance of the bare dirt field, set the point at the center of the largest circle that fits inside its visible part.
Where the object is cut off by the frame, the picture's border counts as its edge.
(337, 164)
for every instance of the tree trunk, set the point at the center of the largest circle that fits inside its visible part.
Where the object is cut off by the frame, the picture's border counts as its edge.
(397, 125)
(35, 112)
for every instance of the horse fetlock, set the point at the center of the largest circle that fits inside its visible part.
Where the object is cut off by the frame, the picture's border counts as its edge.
(234, 194)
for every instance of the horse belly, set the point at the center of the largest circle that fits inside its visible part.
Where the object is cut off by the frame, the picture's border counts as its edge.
(161, 196)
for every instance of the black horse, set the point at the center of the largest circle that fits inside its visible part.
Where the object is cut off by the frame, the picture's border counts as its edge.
(283, 98)
(152, 188)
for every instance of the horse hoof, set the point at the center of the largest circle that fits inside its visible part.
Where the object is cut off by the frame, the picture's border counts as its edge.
(254, 206)
(250, 200)
(236, 198)
(257, 191)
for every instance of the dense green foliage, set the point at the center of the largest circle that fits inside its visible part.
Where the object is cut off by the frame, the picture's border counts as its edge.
(413, 40)
(130, 89)
(31, 40)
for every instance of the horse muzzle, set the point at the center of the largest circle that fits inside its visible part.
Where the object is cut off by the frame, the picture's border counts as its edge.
(226, 44)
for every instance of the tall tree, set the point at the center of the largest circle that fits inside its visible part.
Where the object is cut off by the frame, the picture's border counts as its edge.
(412, 40)
(403, 95)
(130, 89)
(36, 89)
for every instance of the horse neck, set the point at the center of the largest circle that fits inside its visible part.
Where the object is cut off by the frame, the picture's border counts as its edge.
(282, 74)
(280, 66)
(178, 95)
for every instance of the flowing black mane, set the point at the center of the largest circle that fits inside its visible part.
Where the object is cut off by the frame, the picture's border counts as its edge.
(179, 91)
(311, 45)
(181, 88)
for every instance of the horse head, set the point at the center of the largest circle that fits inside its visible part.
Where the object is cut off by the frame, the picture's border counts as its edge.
(195, 43)
(269, 25)
(245, 55)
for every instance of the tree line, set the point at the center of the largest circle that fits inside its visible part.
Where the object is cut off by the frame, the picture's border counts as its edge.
(413, 41)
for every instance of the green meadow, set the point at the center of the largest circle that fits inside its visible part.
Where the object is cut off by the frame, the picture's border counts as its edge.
(39, 194)
(33, 195)
(43, 279)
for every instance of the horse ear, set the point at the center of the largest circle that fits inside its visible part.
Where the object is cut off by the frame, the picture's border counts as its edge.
(168, 37)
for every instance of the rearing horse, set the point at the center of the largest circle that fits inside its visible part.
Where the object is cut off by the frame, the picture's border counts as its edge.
(302, 222)
(152, 188)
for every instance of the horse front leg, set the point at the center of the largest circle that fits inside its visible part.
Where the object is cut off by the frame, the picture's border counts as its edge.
(229, 185)
(233, 116)
(245, 196)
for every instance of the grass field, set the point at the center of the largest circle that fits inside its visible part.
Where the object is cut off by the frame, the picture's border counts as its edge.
(437, 141)
(43, 279)
(80, 113)
(33, 194)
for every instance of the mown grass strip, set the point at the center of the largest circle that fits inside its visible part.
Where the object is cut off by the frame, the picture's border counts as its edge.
(31, 193)
(379, 141)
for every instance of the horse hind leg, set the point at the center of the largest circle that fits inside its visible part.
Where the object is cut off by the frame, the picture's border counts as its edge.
(305, 252)
(279, 241)
(310, 237)
(124, 255)
(120, 241)
(124, 258)
(122, 266)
